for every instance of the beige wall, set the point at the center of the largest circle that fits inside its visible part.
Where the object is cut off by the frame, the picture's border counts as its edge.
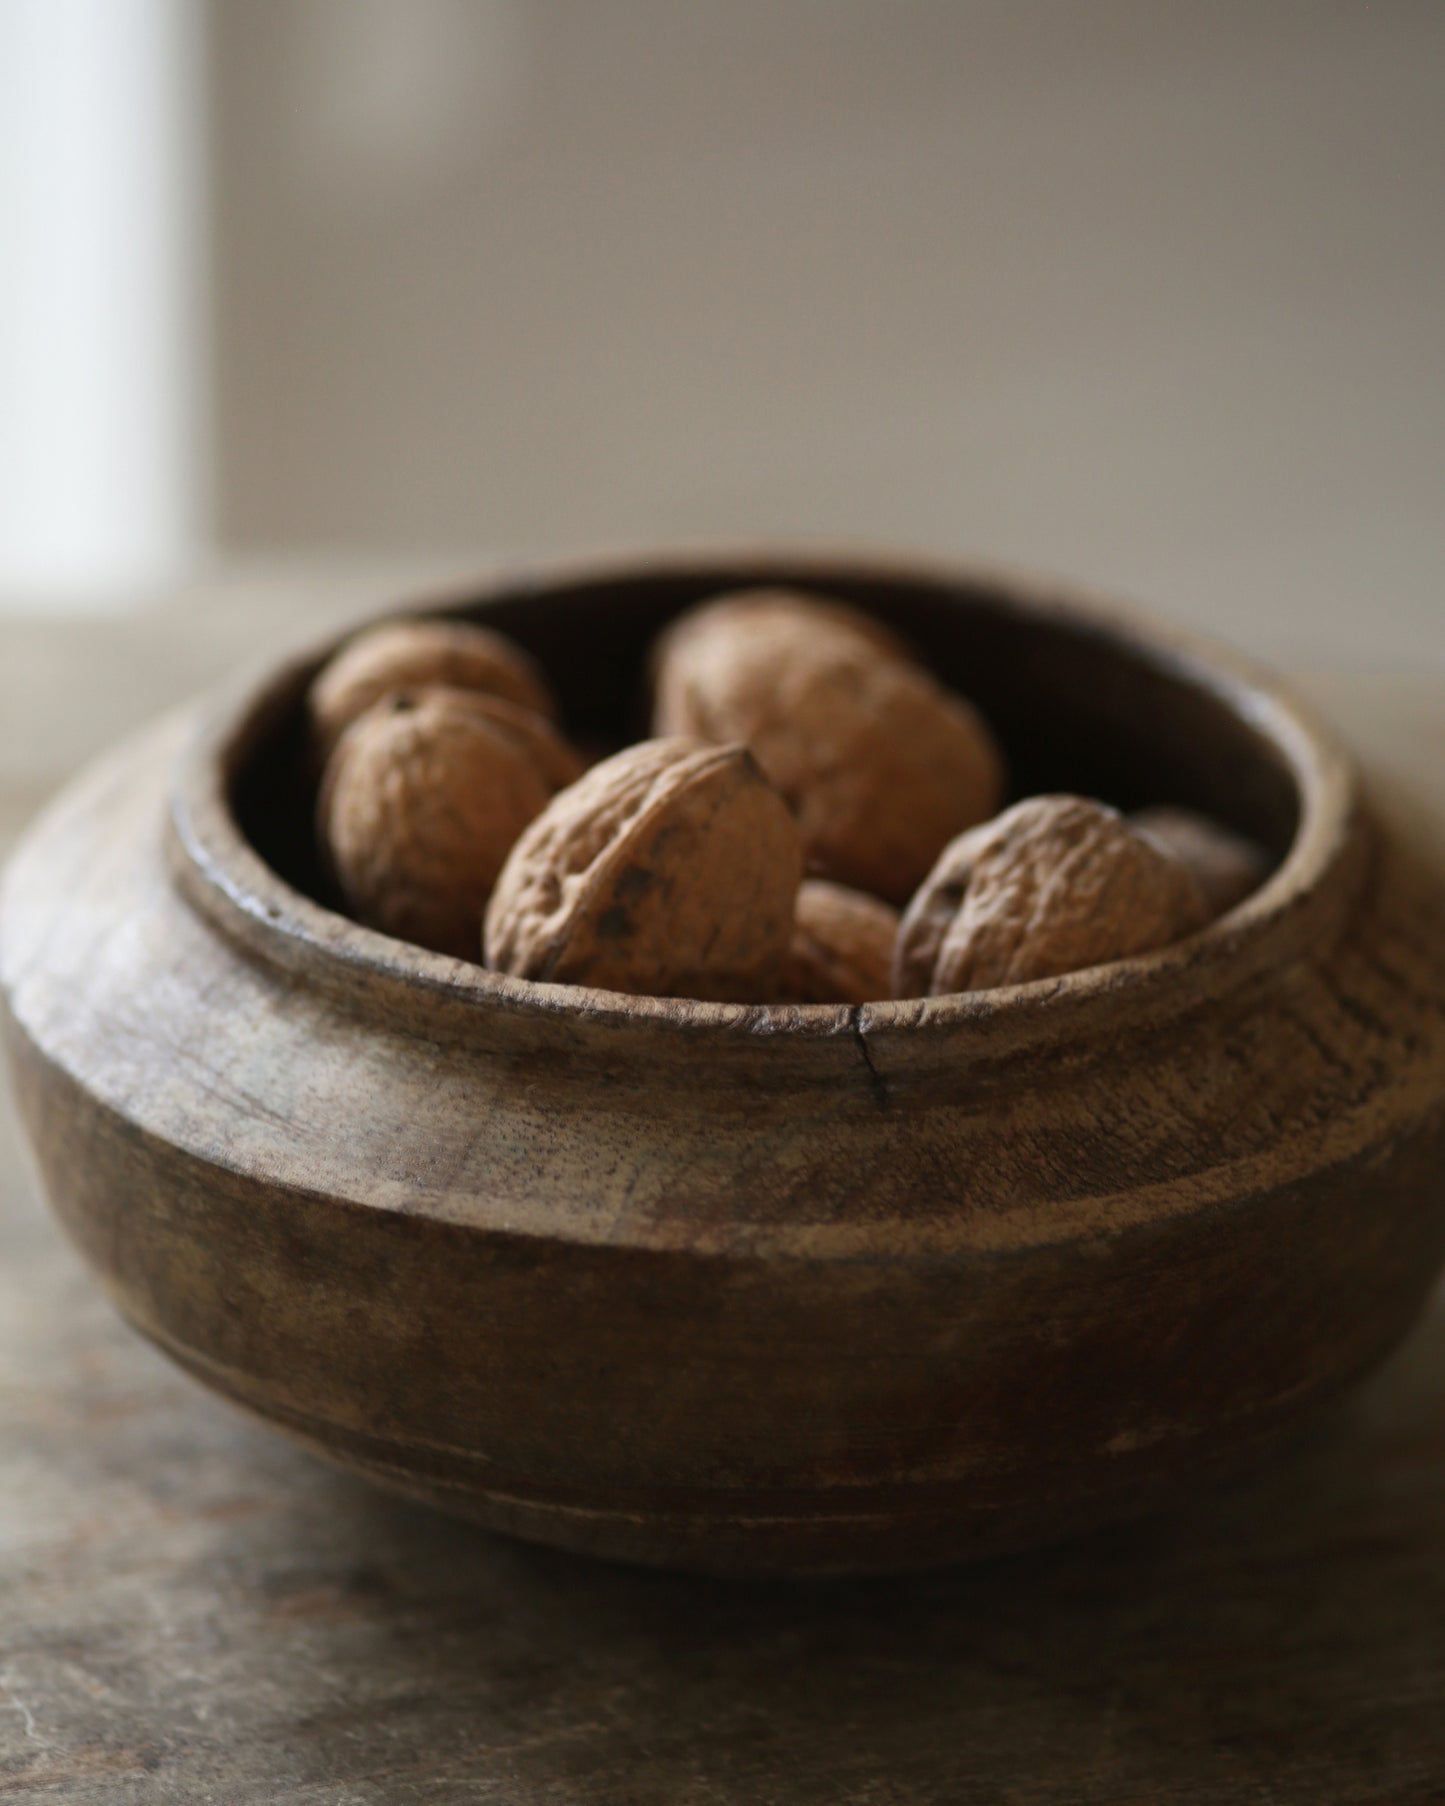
(1147, 292)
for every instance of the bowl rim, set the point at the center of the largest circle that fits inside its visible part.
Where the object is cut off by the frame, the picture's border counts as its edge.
(220, 872)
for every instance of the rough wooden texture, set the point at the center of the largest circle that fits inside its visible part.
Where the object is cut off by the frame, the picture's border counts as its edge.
(735, 1288)
(195, 1611)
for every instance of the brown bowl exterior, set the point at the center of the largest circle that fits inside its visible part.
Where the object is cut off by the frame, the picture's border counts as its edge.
(731, 1288)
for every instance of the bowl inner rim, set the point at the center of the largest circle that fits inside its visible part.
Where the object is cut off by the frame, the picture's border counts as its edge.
(222, 873)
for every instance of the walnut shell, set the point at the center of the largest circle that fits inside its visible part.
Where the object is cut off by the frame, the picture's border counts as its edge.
(1054, 884)
(559, 762)
(1226, 866)
(842, 946)
(668, 870)
(422, 799)
(402, 655)
(746, 610)
(881, 764)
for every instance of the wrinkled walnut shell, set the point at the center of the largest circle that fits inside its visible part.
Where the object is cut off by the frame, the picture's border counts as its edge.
(1226, 866)
(403, 655)
(421, 802)
(842, 946)
(749, 610)
(1053, 885)
(559, 762)
(881, 764)
(669, 870)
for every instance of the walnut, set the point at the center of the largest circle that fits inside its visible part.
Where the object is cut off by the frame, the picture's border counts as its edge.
(881, 764)
(668, 870)
(1226, 866)
(842, 946)
(422, 799)
(759, 609)
(559, 762)
(1054, 884)
(402, 655)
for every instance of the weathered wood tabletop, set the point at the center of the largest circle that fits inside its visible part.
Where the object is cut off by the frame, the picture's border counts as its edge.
(191, 1610)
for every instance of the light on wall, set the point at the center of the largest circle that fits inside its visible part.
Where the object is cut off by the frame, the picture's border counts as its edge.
(101, 385)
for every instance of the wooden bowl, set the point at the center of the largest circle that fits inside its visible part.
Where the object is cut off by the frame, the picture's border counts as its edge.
(733, 1288)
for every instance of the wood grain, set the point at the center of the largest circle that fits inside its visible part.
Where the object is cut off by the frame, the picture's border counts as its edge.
(740, 1289)
(193, 1610)
(196, 1611)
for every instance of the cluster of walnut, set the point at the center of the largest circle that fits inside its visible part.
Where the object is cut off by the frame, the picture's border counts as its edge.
(808, 779)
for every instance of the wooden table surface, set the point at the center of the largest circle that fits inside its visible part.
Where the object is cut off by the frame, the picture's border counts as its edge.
(192, 1610)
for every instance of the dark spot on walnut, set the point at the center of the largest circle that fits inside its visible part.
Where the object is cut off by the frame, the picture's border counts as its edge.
(633, 882)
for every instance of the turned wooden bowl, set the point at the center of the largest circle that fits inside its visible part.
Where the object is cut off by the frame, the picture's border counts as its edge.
(736, 1288)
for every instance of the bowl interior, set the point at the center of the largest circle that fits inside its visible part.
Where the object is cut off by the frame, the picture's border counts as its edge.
(1082, 702)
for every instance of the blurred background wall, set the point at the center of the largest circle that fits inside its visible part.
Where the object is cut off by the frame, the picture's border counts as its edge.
(1140, 291)
(103, 366)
